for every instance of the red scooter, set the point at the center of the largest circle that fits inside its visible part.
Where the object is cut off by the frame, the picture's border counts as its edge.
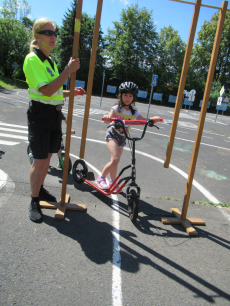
(80, 169)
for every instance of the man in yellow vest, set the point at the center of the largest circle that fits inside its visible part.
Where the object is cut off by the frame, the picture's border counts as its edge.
(44, 115)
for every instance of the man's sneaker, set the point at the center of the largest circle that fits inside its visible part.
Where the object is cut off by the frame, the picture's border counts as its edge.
(101, 182)
(44, 195)
(35, 212)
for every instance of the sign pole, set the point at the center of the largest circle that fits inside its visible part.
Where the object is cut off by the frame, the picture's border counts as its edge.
(150, 101)
(154, 83)
(102, 86)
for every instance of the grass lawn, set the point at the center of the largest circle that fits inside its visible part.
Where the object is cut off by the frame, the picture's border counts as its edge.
(9, 83)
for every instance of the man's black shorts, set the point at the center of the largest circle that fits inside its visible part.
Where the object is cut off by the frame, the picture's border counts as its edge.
(44, 129)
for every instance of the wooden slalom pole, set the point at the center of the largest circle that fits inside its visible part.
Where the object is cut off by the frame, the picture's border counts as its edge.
(182, 82)
(64, 203)
(207, 91)
(205, 5)
(90, 77)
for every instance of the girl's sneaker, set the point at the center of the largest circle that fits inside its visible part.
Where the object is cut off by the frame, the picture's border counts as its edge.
(101, 182)
(117, 186)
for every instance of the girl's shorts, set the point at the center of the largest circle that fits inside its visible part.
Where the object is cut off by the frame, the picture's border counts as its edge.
(112, 134)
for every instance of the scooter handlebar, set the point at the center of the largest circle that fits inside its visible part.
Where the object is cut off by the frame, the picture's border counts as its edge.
(134, 122)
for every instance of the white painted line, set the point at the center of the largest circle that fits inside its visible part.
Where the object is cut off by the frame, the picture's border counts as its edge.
(13, 130)
(14, 100)
(8, 143)
(202, 143)
(206, 137)
(3, 179)
(14, 125)
(13, 136)
(205, 192)
(182, 132)
(116, 281)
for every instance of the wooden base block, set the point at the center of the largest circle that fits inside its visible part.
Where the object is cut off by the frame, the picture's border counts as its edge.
(185, 223)
(61, 209)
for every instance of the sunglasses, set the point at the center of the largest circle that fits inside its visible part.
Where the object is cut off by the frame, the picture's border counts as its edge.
(48, 33)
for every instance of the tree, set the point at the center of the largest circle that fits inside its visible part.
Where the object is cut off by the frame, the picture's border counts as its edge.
(15, 36)
(14, 42)
(170, 50)
(11, 9)
(28, 23)
(131, 47)
(65, 46)
(203, 50)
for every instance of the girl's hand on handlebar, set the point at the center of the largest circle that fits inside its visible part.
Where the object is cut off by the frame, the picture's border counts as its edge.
(106, 119)
(156, 118)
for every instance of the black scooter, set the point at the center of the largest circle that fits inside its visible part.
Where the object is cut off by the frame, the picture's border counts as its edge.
(80, 169)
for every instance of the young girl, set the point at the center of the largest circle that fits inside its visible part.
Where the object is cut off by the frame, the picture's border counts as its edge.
(115, 139)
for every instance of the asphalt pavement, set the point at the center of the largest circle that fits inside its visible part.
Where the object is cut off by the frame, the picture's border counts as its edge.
(99, 257)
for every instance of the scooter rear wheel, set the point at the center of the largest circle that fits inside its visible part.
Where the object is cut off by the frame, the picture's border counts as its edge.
(79, 170)
(133, 206)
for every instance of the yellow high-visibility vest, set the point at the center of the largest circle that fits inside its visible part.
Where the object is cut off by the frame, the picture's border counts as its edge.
(39, 71)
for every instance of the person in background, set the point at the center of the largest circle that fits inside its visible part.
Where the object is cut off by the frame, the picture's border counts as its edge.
(44, 111)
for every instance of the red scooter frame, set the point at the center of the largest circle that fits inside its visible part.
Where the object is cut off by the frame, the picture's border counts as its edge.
(80, 169)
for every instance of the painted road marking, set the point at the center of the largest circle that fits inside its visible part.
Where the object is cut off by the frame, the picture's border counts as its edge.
(182, 124)
(207, 137)
(8, 143)
(202, 143)
(13, 136)
(92, 111)
(116, 278)
(14, 125)
(205, 192)
(13, 101)
(13, 130)
(6, 182)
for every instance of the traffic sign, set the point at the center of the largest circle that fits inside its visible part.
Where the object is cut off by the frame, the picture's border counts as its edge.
(201, 101)
(157, 96)
(142, 94)
(15, 65)
(222, 91)
(226, 100)
(80, 83)
(188, 102)
(221, 107)
(154, 80)
(111, 89)
(219, 101)
(172, 99)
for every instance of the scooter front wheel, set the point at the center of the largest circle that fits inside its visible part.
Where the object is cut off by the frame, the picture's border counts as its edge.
(133, 205)
(79, 170)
